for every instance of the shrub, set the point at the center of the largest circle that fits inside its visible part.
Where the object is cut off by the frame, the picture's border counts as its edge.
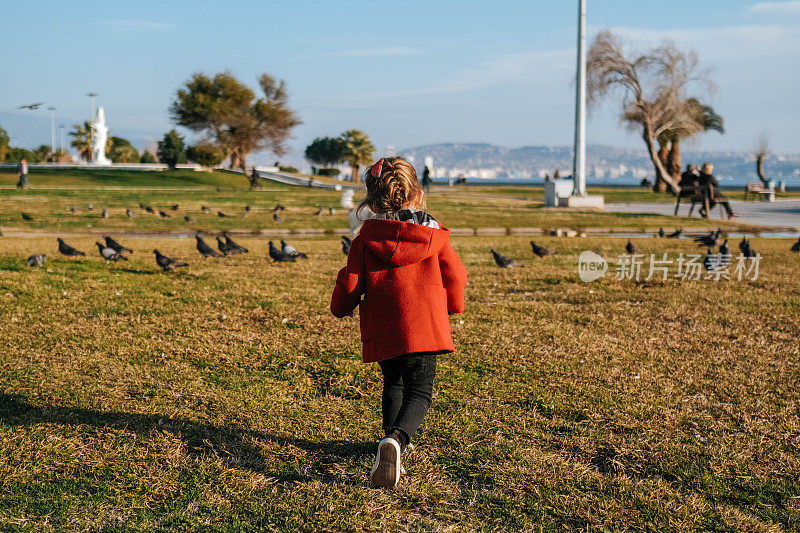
(206, 154)
(289, 170)
(328, 172)
(15, 155)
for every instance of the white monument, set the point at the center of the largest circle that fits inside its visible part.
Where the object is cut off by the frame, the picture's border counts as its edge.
(99, 139)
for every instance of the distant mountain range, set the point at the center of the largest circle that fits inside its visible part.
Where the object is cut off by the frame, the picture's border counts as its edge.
(605, 164)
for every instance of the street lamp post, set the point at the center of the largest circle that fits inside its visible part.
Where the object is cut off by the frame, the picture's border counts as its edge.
(579, 161)
(61, 127)
(52, 128)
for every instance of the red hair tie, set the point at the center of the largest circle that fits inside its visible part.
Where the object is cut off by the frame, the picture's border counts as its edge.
(376, 169)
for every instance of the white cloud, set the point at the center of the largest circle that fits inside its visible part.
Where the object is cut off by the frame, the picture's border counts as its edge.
(136, 24)
(724, 44)
(789, 7)
(386, 51)
(531, 67)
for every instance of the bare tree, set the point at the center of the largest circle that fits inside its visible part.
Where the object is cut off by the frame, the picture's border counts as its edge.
(761, 151)
(653, 87)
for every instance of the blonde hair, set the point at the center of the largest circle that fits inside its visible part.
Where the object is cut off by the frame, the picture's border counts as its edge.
(393, 189)
(708, 168)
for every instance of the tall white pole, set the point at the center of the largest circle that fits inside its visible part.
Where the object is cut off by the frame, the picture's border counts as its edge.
(61, 128)
(52, 129)
(579, 162)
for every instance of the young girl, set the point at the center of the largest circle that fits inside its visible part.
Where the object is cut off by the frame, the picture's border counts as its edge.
(411, 280)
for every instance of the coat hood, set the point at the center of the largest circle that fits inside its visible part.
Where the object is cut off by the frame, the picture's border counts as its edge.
(398, 243)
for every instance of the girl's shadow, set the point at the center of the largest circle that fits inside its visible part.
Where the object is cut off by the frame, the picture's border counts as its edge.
(238, 446)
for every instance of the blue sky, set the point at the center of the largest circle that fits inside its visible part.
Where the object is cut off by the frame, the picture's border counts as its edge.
(408, 73)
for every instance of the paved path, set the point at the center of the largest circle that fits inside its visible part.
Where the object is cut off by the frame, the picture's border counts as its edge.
(783, 213)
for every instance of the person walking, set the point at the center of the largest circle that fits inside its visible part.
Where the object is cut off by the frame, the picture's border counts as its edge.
(708, 182)
(411, 279)
(426, 180)
(22, 171)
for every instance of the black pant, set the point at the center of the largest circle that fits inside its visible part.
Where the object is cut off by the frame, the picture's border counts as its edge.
(407, 392)
(723, 201)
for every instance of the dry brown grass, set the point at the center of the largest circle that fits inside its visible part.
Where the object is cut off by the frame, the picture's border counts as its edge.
(226, 396)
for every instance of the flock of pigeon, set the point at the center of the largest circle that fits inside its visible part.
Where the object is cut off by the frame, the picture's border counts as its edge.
(112, 251)
(712, 240)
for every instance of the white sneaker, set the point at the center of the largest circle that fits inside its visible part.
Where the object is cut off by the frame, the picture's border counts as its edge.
(387, 467)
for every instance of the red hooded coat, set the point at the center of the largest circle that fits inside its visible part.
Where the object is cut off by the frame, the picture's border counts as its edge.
(411, 279)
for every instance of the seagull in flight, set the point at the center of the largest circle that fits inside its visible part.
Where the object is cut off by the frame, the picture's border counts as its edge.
(31, 106)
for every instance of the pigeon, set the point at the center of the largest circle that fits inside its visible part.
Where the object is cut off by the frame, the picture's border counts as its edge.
(276, 218)
(66, 249)
(225, 248)
(725, 255)
(105, 213)
(675, 234)
(505, 262)
(230, 242)
(26, 217)
(174, 207)
(74, 210)
(204, 249)
(162, 214)
(712, 239)
(346, 242)
(630, 248)
(744, 244)
(661, 233)
(114, 245)
(205, 209)
(711, 261)
(188, 219)
(149, 209)
(110, 254)
(278, 207)
(319, 212)
(247, 208)
(36, 260)
(796, 246)
(130, 214)
(166, 263)
(746, 249)
(220, 214)
(277, 255)
(541, 251)
(290, 251)
(331, 210)
(90, 207)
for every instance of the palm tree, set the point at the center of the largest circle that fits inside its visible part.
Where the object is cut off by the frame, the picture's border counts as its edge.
(652, 86)
(701, 118)
(81, 139)
(42, 153)
(358, 150)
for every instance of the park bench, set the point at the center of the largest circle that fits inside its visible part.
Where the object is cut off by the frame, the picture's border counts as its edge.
(696, 195)
(756, 188)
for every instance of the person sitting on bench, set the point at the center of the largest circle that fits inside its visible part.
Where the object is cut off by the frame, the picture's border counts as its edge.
(707, 180)
(690, 178)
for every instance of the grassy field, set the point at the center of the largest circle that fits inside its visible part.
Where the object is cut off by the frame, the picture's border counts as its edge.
(226, 396)
(56, 192)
